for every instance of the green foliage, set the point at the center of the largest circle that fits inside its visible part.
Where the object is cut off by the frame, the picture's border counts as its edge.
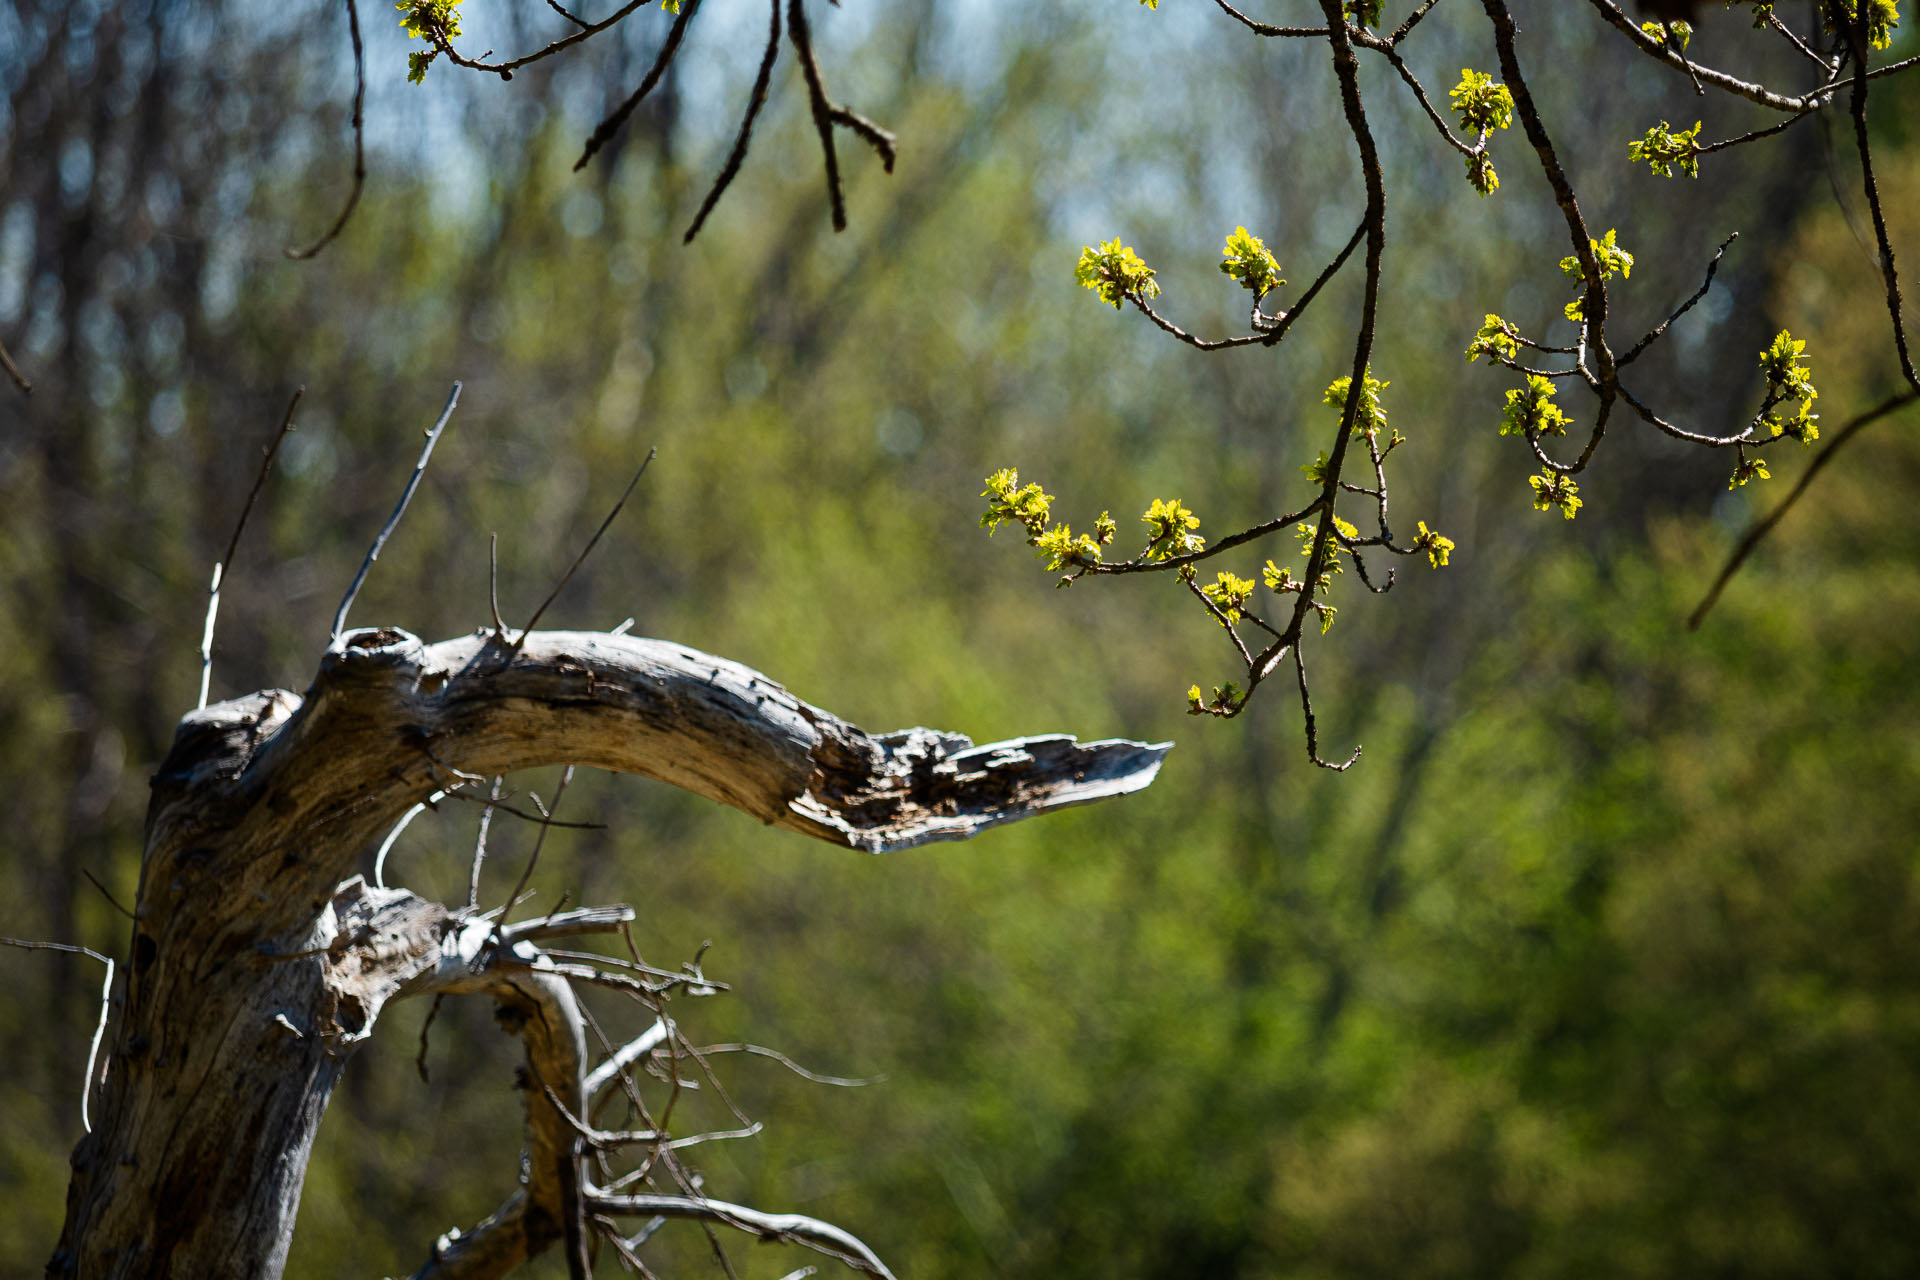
(1171, 527)
(1229, 595)
(1115, 271)
(1369, 416)
(1245, 258)
(1754, 468)
(1495, 339)
(1789, 381)
(1551, 489)
(1481, 175)
(1030, 507)
(1481, 102)
(1882, 17)
(1362, 13)
(1530, 409)
(1437, 546)
(1226, 699)
(427, 20)
(1677, 35)
(1612, 260)
(1663, 150)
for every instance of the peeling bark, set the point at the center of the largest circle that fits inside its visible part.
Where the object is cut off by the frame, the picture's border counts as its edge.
(257, 964)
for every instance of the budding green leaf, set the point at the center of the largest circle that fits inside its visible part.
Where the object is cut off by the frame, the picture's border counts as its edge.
(1029, 507)
(1749, 469)
(1882, 17)
(1532, 408)
(422, 20)
(1171, 530)
(1496, 340)
(1677, 34)
(1788, 380)
(1550, 490)
(1480, 102)
(1481, 175)
(1612, 259)
(1437, 546)
(1115, 271)
(1662, 150)
(1245, 258)
(1369, 416)
(1229, 595)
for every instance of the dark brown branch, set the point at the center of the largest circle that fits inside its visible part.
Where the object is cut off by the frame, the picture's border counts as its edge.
(604, 131)
(1266, 29)
(1313, 734)
(821, 107)
(13, 371)
(112, 901)
(506, 69)
(1654, 333)
(756, 99)
(1858, 107)
(359, 141)
(1761, 528)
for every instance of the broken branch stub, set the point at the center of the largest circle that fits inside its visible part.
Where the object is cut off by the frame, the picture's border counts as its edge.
(252, 977)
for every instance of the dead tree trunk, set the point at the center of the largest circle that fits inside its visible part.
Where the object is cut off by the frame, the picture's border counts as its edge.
(258, 962)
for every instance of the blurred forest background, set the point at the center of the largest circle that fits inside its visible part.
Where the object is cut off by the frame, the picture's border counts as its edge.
(1604, 960)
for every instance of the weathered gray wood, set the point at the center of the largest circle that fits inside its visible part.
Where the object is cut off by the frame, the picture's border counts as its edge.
(256, 965)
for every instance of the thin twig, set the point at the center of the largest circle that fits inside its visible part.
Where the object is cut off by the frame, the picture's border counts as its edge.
(480, 842)
(1757, 534)
(581, 558)
(1706, 284)
(359, 141)
(533, 859)
(13, 372)
(433, 1011)
(493, 585)
(523, 815)
(400, 509)
(380, 858)
(781, 1058)
(100, 1028)
(233, 545)
(111, 900)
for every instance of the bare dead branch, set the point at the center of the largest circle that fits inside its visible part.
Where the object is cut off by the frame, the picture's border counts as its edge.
(539, 842)
(233, 543)
(400, 509)
(791, 1228)
(112, 901)
(585, 551)
(100, 1027)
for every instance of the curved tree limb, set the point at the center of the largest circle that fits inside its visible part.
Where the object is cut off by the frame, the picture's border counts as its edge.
(254, 970)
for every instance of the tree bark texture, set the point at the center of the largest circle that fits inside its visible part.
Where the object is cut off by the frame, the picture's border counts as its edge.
(257, 963)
